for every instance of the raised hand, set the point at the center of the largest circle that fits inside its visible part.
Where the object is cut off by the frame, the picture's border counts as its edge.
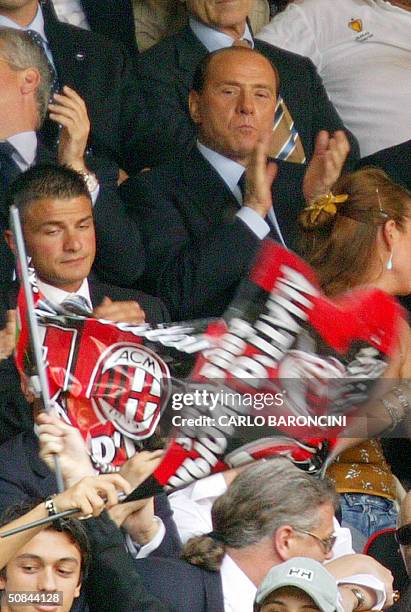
(92, 494)
(69, 110)
(326, 164)
(57, 437)
(259, 178)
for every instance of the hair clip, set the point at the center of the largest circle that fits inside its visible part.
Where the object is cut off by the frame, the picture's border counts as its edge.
(326, 203)
(382, 211)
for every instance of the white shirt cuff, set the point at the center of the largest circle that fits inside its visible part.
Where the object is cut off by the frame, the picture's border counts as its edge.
(254, 221)
(141, 552)
(369, 581)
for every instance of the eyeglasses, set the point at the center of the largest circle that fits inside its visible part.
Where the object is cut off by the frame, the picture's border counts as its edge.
(326, 543)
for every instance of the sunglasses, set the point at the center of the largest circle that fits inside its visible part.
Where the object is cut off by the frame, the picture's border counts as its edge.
(403, 535)
(326, 543)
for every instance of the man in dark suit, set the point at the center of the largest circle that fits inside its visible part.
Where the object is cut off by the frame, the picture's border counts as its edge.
(214, 228)
(24, 100)
(166, 73)
(63, 252)
(100, 70)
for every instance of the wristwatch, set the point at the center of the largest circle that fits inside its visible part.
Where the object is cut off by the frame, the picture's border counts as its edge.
(50, 506)
(360, 599)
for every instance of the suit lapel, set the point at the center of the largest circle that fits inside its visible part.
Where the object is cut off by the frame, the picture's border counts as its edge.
(189, 51)
(69, 57)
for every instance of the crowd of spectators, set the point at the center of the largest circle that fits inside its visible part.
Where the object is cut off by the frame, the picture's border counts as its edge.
(150, 146)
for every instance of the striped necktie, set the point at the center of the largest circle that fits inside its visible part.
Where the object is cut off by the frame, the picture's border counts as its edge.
(286, 142)
(77, 304)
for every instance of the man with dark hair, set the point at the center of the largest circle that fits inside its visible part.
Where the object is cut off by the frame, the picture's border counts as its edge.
(214, 224)
(58, 224)
(58, 227)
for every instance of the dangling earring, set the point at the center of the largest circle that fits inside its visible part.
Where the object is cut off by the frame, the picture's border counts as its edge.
(389, 263)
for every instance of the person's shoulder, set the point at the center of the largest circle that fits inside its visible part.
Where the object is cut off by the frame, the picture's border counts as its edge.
(165, 49)
(282, 57)
(87, 39)
(165, 173)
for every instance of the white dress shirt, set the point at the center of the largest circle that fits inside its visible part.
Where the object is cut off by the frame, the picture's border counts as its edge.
(238, 590)
(57, 296)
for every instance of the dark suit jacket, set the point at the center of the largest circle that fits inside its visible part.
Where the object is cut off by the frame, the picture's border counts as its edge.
(112, 18)
(165, 77)
(155, 310)
(181, 586)
(195, 263)
(395, 161)
(102, 72)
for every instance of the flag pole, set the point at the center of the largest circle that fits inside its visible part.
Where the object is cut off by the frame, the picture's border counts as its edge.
(16, 228)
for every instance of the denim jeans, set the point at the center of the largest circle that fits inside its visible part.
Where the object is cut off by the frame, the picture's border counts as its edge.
(366, 514)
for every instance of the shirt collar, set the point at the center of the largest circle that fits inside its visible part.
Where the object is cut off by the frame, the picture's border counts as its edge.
(238, 590)
(25, 144)
(57, 296)
(213, 39)
(37, 24)
(229, 170)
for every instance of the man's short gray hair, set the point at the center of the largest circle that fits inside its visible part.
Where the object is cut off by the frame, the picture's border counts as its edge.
(21, 53)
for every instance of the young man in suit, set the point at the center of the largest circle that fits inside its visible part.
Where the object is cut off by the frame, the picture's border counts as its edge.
(166, 73)
(57, 220)
(214, 228)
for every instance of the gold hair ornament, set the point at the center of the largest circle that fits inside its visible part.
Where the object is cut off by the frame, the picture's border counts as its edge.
(327, 203)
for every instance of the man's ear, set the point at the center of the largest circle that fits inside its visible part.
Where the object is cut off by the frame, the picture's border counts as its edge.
(29, 80)
(283, 542)
(9, 238)
(194, 106)
(77, 590)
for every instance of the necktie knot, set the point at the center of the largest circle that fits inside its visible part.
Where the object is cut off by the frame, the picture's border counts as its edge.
(77, 304)
(241, 42)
